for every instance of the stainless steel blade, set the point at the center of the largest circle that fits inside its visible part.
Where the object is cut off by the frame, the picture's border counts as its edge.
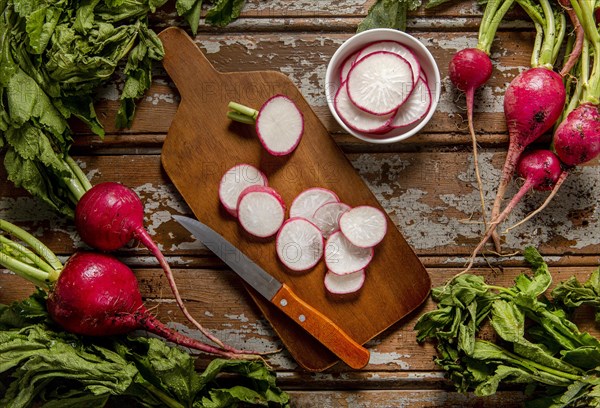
(254, 275)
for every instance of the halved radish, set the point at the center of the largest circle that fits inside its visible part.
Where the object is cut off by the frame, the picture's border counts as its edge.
(327, 217)
(380, 82)
(397, 48)
(344, 284)
(299, 244)
(347, 65)
(261, 211)
(234, 181)
(279, 123)
(342, 257)
(307, 202)
(416, 106)
(357, 118)
(363, 226)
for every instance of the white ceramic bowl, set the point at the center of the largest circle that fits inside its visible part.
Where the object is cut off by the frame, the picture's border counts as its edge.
(358, 41)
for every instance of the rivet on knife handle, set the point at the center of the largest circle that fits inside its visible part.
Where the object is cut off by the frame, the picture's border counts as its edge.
(321, 328)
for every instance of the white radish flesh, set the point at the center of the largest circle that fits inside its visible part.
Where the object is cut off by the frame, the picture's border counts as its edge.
(299, 244)
(342, 257)
(279, 125)
(309, 201)
(344, 284)
(357, 118)
(364, 226)
(416, 106)
(396, 48)
(380, 82)
(234, 181)
(327, 217)
(261, 211)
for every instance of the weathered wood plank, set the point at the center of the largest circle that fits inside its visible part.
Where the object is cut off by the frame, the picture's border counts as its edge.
(304, 58)
(431, 196)
(218, 300)
(413, 399)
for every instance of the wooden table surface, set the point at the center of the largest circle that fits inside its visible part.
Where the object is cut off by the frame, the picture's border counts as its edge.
(426, 184)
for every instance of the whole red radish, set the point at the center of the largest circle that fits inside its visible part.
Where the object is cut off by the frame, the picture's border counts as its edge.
(97, 295)
(108, 216)
(577, 138)
(469, 69)
(533, 102)
(541, 170)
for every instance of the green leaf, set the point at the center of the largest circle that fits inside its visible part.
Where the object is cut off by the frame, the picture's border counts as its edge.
(190, 10)
(386, 14)
(223, 12)
(508, 321)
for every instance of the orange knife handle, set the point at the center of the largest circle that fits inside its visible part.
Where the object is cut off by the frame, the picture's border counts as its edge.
(321, 328)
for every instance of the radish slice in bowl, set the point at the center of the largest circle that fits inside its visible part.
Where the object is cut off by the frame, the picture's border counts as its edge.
(307, 202)
(346, 66)
(380, 82)
(327, 217)
(342, 257)
(261, 211)
(357, 118)
(299, 244)
(396, 48)
(279, 125)
(344, 284)
(234, 181)
(415, 108)
(364, 226)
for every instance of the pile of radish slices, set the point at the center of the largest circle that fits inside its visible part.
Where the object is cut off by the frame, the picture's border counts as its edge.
(319, 226)
(382, 88)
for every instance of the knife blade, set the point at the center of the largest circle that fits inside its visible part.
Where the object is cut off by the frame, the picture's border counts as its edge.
(281, 295)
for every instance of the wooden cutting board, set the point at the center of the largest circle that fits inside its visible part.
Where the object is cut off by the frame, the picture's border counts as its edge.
(202, 144)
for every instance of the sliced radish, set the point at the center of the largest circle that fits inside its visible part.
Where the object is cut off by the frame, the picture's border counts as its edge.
(364, 226)
(347, 65)
(327, 217)
(380, 82)
(234, 181)
(279, 125)
(261, 211)
(308, 201)
(357, 118)
(342, 257)
(299, 244)
(397, 48)
(416, 106)
(344, 284)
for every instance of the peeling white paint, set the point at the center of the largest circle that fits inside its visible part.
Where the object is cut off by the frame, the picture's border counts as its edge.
(378, 358)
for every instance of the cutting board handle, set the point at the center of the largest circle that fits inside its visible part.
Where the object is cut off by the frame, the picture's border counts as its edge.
(185, 62)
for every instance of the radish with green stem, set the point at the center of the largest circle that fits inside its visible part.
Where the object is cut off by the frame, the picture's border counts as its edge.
(471, 68)
(576, 139)
(541, 170)
(533, 102)
(94, 294)
(279, 123)
(108, 216)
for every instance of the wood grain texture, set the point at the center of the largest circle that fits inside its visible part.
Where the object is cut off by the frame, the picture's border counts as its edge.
(426, 185)
(200, 129)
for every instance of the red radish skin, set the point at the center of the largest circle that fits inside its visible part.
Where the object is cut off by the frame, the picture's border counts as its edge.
(97, 295)
(541, 170)
(533, 101)
(469, 69)
(108, 216)
(577, 138)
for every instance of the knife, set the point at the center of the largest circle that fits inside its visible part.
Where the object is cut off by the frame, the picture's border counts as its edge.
(317, 324)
